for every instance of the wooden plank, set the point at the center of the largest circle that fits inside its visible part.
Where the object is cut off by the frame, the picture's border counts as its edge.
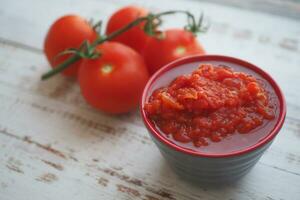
(288, 8)
(33, 31)
(78, 135)
(30, 164)
(52, 143)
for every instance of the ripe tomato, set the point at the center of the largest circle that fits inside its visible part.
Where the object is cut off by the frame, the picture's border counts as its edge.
(136, 38)
(67, 32)
(113, 82)
(174, 44)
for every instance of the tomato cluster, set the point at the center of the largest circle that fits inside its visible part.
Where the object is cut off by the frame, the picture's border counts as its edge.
(210, 104)
(113, 82)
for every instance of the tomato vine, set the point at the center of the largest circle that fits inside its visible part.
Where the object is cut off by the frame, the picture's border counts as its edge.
(152, 22)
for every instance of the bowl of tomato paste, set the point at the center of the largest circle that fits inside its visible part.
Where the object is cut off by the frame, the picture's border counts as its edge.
(211, 116)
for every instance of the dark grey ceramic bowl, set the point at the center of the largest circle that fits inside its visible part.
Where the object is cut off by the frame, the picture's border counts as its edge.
(210, 167)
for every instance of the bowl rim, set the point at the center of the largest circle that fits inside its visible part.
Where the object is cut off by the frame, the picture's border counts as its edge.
(213, 57)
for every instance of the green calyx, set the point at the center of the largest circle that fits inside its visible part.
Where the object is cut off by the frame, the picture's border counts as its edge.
(195, 26)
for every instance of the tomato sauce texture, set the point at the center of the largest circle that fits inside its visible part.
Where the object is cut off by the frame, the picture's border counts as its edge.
(210, 105)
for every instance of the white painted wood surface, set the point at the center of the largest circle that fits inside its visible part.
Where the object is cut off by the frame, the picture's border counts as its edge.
(54, 146)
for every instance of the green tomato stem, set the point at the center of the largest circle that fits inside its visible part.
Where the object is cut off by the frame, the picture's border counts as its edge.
(77, 57)
(61, 67)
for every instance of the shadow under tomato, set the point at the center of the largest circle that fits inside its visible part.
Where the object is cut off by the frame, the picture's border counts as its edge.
(57, 87)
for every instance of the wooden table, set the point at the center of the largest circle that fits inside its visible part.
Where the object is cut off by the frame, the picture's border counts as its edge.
(54, 146)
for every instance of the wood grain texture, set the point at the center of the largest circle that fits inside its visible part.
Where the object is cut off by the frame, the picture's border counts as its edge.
(53, 145)
(288, 8)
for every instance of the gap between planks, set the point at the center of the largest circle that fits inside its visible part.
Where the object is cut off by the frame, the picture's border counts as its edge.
(20, 45)
(60, 154)
(152, 191)
(130, 185)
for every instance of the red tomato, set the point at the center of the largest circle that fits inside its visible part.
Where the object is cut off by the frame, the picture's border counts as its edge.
(67, 32)
(174, 44)
(113, 82)
(136, 38)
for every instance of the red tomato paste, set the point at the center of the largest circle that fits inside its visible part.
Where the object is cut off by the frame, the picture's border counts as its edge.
(211, 104)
